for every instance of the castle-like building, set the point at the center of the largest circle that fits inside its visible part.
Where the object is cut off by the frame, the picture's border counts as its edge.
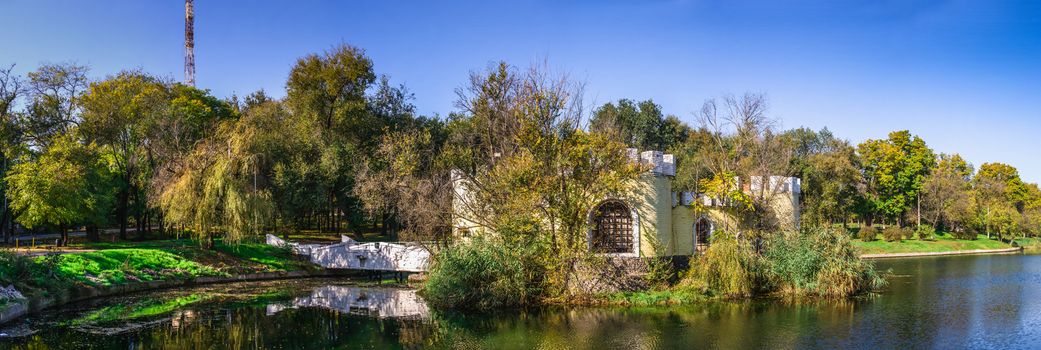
(650, 219)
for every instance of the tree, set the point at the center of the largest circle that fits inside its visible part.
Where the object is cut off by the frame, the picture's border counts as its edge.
(639, 125)
(331, 90)
(831, 181)
(67, 185)
(220, 188)
(894, 170)
(744, 144)
(11, 90)
(945, 193)
(117, 114)
(53, 109)
(530, 173)
(1001, 197)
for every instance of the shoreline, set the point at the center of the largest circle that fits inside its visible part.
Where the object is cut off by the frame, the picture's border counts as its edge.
(954, 252)
(15, 310)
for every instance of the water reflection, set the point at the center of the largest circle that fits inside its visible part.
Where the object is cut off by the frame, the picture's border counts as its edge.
(371, 301)
(952, 302)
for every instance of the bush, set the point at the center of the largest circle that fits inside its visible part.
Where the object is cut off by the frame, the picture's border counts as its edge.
(868, 233)
(481, 274)
(893, 234)
(729, 268)
(660, 273)
(32, 276)
(965, 233)
(819, 262)
(926, 232)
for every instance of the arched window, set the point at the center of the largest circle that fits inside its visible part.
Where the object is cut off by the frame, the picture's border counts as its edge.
(612, 228)
(702, 234)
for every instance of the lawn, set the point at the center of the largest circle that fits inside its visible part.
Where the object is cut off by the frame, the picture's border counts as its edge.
(112, 263)
(942, 243)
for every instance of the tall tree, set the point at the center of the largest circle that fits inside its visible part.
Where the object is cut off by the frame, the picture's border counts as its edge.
(945, 193)
(117, 113)
(69, 184)
(53, 91)
(894, 171)
(330, 88)
(11, 90)
(639, 124)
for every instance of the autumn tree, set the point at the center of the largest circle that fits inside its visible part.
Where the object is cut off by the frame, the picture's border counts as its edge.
(53, 109)
(69, 184)
(946, 197)
(894, 170)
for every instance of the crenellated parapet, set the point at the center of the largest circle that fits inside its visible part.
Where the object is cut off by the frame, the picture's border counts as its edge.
(660, 164)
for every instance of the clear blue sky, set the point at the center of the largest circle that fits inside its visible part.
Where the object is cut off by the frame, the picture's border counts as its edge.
(965, 75)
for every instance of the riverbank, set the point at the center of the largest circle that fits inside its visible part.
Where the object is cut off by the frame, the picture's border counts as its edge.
(940, 244)
(102, 269)
(956, 252)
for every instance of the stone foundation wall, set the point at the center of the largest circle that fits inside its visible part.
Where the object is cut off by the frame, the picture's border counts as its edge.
(609, 274)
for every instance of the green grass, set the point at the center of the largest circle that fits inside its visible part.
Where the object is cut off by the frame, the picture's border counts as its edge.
(275, 258)
(114, 266)
(942, 243)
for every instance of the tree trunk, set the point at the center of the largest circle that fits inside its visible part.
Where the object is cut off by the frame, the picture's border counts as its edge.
(121, 212)
(92, 233)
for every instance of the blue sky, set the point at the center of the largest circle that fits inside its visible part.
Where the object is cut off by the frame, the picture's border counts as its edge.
(965, 75)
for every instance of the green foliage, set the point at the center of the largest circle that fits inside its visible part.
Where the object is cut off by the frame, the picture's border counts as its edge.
(640, 125)
(894, 170)
(925, 232)
(274, 258)
(660, 273)
(481, 274)
(868, 233)
(818, 262)
(728, 268)
(893, 234)
(32, 277)
(114, 266)
(67, 185)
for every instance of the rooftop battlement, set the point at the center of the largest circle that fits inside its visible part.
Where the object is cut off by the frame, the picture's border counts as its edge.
(660, 163)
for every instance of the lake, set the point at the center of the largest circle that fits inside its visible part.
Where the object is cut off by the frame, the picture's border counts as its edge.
(942, 302)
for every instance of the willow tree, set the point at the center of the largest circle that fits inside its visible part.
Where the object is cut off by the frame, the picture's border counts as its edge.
(216, 189)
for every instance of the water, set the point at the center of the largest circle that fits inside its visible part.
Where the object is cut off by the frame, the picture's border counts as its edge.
(943, 303)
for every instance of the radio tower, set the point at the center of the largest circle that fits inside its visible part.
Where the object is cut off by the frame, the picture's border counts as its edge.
(189, 43)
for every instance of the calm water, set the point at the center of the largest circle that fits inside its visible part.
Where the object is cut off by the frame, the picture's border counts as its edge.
(944, 303)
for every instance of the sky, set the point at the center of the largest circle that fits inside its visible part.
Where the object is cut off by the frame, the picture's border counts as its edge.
(963, 75)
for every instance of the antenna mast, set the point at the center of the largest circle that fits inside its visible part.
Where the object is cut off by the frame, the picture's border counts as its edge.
(189, 43)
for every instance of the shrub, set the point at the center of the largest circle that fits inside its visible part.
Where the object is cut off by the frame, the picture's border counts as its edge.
(868, 233)
(32, 276)
(729, 268)
(893, 234)
(818, 262)
(965, 233)
(481, 274)
(660, 273)
(926, 232)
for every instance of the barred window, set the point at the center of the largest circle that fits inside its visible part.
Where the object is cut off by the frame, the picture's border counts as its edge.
(612, 228)
(702, 234)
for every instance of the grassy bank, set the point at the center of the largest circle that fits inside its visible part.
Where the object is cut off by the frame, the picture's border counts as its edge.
(104, 264)
(941, 243)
